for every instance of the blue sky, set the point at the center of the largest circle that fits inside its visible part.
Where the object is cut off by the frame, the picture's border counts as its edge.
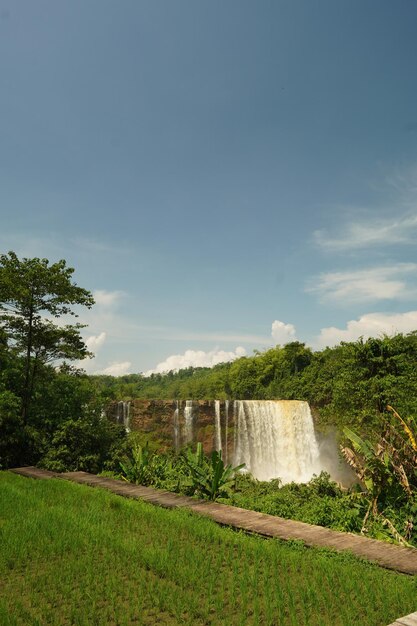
(224, 175)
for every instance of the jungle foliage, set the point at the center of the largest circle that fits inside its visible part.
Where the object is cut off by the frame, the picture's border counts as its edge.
(351, 383)
(375, 505)
(386, 464)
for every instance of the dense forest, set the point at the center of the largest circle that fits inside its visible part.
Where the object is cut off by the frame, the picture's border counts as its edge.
(350, 383)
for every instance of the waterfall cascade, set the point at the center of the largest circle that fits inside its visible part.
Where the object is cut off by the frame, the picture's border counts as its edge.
(273, 438)
(217, 426)
(226, 411)
(123, 414)
(177, 437)
(188, 421)
(276, 439)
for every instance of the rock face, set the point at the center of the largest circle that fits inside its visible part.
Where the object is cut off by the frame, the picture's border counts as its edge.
(174, 423)
(273, 438)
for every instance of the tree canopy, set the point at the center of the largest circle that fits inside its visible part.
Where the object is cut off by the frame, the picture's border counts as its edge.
(49, 409)
(33, 295)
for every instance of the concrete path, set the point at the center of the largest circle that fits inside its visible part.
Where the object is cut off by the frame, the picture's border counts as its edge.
(385, 554)
(407, 620)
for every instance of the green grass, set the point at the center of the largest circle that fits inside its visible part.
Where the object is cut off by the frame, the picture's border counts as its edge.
(75, 555)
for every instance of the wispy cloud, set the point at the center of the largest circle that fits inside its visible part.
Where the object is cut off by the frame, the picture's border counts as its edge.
(90, 244)
(357, 235)
(395, 224)
(54, 246)
(369, 325)
(107, 299)
(167, 333)
(33, 246)
(365, 285)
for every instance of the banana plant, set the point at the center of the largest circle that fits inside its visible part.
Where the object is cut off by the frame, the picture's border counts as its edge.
(210, 478)
(386, 468)
(136, 469)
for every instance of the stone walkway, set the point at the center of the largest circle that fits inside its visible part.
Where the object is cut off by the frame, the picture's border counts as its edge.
(385, 554)
(407, 620)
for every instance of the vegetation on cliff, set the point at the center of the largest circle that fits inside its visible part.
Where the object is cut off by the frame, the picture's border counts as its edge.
(351, 383)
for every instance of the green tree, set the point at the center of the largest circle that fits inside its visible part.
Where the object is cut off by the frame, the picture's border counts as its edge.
(33, 295)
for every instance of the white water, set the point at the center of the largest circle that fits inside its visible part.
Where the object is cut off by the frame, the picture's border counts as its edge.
(123, 414)
(177, 427)
(217, 426)
(226, 410)
(276, 439)
(188, 421)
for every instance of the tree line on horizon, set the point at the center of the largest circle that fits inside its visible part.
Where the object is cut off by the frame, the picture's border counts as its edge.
(352, 382)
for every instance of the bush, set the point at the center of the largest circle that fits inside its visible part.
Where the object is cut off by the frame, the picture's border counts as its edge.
(319, 502)
(90, 444)
(11, 429)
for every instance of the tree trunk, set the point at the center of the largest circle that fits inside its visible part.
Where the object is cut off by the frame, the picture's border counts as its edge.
(27, 385)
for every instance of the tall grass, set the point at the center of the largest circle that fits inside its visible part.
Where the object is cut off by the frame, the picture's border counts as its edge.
(74, 555)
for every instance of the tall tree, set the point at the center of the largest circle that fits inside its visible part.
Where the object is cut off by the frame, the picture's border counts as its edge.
(33, 295)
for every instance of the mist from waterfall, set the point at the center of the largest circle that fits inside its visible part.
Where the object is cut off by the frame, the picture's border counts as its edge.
(276, 439)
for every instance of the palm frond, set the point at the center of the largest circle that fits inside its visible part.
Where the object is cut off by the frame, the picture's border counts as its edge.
(406, 428)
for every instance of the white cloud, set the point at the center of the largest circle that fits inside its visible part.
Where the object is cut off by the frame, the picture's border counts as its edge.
(175, 334)
(379, 232)
(282, 333)
(196, 358)
(107, 298)
(378, 283)
(116, 368)
(369, 325)
(94, 342)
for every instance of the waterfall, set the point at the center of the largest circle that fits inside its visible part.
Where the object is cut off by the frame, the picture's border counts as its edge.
(177, 427)
(126, 416)
(226, 410)
(188, 419)
(217, 426)
(276, 439)
(235, 405)
(123, 414)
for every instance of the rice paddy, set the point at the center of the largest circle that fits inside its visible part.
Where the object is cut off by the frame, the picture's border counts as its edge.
(73, 555)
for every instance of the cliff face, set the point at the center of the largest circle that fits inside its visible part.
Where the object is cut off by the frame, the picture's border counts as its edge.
(273, 438)
(158, 419)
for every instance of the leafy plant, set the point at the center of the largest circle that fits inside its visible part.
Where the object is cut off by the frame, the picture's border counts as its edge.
(31, 290)
(387, 468)
(136, 468)
(213, 478)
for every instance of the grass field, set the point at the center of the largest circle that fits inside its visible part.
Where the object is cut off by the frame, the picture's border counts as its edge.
(74, 555)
